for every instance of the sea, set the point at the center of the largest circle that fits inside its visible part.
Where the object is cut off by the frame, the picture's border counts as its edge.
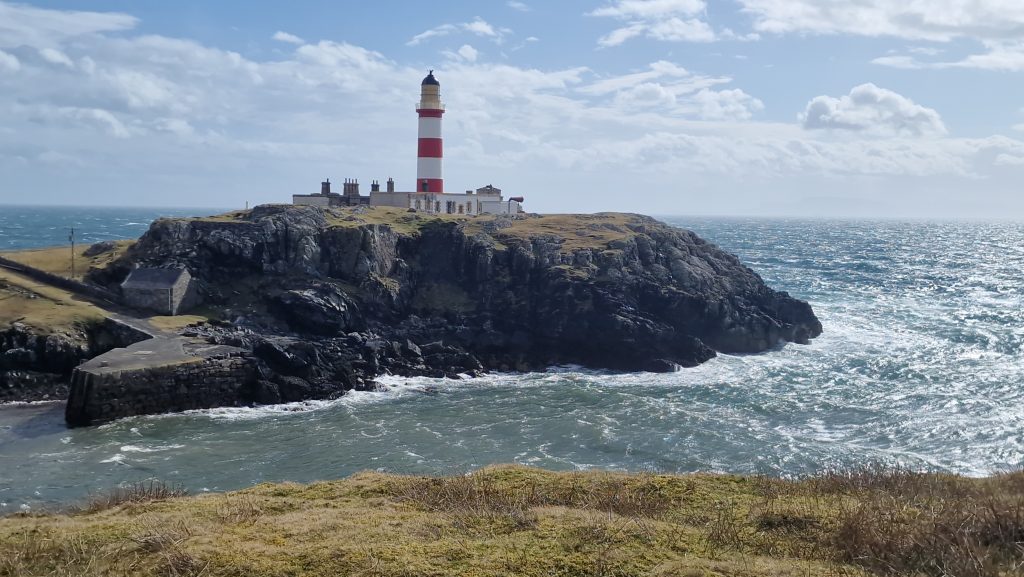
(921, 364)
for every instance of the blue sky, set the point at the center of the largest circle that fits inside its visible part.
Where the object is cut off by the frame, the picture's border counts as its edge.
(745, 107)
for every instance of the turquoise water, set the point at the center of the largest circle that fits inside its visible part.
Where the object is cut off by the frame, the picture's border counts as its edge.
(922, 362)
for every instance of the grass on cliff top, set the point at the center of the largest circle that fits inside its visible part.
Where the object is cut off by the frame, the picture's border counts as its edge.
(573, 231)
(45, 309)
(57, 260)
(519, 521)
(399, 219)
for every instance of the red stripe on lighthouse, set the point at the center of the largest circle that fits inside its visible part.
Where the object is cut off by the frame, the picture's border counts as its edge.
(430, 148)
(432, 185)
(429, 113)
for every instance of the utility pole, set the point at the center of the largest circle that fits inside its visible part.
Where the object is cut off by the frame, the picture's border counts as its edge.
(71, 237)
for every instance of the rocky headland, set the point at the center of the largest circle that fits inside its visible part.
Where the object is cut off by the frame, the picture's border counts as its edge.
(308, 303)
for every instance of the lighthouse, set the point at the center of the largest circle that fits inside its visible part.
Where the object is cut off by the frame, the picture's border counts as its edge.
(428, 161)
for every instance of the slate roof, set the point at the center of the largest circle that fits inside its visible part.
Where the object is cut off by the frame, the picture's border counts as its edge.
(152, 278)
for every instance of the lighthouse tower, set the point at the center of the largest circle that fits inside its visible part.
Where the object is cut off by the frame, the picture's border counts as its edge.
(428, 162)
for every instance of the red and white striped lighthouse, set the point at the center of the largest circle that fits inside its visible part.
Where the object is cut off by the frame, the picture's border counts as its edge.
(428, 162)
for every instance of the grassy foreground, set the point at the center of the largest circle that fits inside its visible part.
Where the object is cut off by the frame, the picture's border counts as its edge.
(517, 521)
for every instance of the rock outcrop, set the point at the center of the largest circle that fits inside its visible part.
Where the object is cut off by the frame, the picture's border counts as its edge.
(36, 366)
(328, 299)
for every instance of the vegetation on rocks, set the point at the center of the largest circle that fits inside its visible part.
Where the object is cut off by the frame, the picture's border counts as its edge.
(511, 520)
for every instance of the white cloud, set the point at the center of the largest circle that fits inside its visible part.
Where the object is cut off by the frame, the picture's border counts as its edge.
(478, 26)
(465, 53)
(936, 20)
(282, 36)
(997, 25)
(468, 53)
(621, 35)
(731, 104)
(650, 9)
(673, 90)
(659, 69)
(1009, 160)
(174, 126)
(22, 25)
(341, 54)
(91, 117)
(665, 20)
(679, 30)
(9, 62)
(1000, 55)
(520, 6)
(54, 56)
(1019, 127)
(872, 110)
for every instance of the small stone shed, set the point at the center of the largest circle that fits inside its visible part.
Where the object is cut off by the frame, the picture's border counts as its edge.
(168, 291)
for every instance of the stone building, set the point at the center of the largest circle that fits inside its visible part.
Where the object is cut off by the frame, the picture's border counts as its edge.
(167, 291)
(349, 197)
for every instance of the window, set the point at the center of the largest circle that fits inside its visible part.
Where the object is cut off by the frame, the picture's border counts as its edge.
(418, 204)
(460, 209)
(437, 206)
(425, 187)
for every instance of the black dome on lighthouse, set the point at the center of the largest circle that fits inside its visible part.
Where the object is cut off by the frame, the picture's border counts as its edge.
(430, 80)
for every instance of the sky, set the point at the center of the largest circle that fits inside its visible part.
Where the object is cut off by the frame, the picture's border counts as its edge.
(829, 108)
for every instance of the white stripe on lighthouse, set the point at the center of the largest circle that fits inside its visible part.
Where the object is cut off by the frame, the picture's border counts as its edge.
(428, 168)
(430, 127)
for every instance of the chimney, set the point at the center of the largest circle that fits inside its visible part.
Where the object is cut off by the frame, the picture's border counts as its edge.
(375, 186)
(325, 187)
(351, 187)
(391, 185)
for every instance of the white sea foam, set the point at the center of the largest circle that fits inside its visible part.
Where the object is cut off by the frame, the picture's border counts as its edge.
(153, 449)
(262, 411)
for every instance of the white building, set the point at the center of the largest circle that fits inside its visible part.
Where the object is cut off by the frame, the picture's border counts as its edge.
(486, 200)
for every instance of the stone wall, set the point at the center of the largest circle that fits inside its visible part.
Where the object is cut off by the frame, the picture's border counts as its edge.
(101, 395)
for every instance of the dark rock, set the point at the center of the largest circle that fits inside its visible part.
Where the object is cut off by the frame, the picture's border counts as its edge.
(100, 248)
(620, 292)
(321, 310)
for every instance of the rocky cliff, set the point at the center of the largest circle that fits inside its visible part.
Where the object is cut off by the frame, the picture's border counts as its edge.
(35, 366)
(327, 299)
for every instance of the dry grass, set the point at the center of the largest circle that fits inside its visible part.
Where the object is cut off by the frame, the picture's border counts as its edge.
(44, 308)
(57, 260)
(141, 492)
(572, 231)
(398, 219)
(176, 323)
(520, 521)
